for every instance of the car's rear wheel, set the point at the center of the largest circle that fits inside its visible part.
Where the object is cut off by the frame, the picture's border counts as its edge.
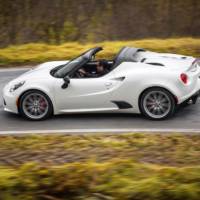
(157, 103)
(35, 105)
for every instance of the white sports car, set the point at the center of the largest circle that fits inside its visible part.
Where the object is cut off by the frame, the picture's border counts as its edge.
(135, 81)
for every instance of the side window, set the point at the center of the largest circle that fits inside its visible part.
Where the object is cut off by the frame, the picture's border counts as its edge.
(94, 69)
(80, 73)
(86, 71)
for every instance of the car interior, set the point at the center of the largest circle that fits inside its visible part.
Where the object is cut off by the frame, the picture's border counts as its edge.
(91, 68)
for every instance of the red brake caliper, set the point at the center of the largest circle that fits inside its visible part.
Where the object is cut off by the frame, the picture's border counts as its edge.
(43, 104)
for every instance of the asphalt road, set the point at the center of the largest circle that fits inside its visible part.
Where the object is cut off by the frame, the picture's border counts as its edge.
(186, 119)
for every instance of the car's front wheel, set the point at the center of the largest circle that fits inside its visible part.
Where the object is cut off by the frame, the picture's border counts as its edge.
(157, 104)
(35, 105)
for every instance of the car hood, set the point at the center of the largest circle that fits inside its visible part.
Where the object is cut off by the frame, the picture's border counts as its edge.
(42, 71)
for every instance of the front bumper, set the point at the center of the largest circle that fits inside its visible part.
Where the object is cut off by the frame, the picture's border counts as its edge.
(9, 101)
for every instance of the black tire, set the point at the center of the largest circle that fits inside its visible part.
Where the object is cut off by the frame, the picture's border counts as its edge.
(167, 104)
(48, 111)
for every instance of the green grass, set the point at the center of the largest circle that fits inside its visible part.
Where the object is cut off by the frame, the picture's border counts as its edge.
(100, 167)
(119, 179)
(37, 53)
(173, 150)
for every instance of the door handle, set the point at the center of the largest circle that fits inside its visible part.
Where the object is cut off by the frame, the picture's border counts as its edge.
(119, 78)
(108, 84)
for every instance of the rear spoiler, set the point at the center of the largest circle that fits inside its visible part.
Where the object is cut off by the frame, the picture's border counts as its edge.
(194, 65)
(196, 62)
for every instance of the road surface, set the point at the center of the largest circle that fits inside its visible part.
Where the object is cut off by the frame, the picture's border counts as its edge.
(186, 119)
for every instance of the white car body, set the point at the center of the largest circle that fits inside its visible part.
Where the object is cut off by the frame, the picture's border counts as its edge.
(125, 83)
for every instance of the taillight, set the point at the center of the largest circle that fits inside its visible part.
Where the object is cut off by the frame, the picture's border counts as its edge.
(184, 78)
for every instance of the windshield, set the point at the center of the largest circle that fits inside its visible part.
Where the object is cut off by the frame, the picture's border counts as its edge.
(62, 70)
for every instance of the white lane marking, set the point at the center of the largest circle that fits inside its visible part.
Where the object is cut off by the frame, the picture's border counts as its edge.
(85, 131)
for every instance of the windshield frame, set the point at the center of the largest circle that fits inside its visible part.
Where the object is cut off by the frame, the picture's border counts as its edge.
(64, 70)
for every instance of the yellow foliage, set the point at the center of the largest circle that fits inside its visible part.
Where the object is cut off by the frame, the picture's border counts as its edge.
(39, 52)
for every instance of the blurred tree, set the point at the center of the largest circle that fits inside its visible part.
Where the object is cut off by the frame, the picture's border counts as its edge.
(56, 21)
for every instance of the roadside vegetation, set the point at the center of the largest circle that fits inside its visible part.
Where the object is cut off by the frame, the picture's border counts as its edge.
(100, 167)
(30, 54)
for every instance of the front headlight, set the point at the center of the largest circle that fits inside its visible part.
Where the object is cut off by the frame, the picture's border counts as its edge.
(16, 86)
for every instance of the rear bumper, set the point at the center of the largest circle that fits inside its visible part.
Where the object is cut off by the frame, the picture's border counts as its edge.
(189, 93)
(194, 98)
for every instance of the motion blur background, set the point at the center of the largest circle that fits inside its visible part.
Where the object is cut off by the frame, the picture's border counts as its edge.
(94, 166)
(59, 21)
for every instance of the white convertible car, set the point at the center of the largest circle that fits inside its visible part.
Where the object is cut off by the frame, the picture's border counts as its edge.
(135, 81)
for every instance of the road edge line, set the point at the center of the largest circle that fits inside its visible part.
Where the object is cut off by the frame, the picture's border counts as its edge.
(100, 131)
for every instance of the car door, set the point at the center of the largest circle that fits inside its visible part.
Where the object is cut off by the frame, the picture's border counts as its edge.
(86, 94)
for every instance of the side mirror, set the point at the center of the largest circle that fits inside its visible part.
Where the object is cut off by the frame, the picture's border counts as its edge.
(66, 82)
